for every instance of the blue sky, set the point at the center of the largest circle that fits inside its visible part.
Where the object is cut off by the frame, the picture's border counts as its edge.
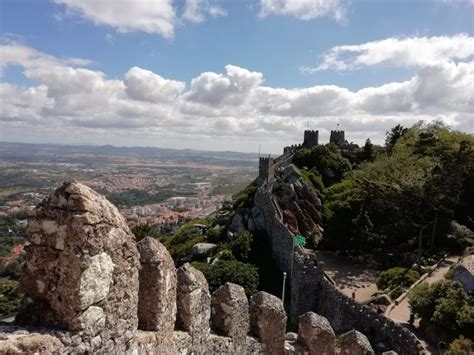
(283, 74)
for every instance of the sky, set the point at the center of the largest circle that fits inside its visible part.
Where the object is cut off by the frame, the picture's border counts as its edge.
(231, 74)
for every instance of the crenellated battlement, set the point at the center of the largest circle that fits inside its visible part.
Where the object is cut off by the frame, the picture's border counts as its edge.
(90, 288)
(338, 138)
(311, 138)
(265, 169)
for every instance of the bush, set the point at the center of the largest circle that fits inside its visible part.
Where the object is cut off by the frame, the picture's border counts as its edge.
(10, 296)
(144, 230)
(242, 245)
(460, 346)
(397, 278)
(223, 271)
(446, 306)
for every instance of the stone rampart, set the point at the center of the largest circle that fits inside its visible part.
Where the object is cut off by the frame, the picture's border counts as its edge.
(310, 291)
(101, 294)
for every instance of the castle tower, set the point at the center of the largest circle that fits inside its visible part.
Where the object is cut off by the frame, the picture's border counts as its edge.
(338, 138)
(265, 169)
(311, 138)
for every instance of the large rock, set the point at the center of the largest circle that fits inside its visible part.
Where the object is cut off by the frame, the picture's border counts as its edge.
(81, 265)
(230, 311)
(202, 250)
(268, 321)
(316, 333)
(157, 296)
(193, 300)
(355, 343)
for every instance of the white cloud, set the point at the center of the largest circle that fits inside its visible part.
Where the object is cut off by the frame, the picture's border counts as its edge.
(399, 52)
(218, 110)
(150, 16)
(197, 10)
(144, 85)
(304, 9)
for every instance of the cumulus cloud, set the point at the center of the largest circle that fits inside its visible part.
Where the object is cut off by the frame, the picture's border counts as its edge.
(197, 10)
(150, 16)
(304, 9)
(399, 52)
(232, 106)
(144, 85)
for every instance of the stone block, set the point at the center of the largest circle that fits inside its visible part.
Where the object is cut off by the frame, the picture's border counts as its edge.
(82, 265)
(193, 300)
(157, 294)
(316, 333)
(355, 343)
(268, 321)
(230, 311)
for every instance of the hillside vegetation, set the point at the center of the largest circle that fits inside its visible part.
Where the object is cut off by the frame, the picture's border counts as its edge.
(405, 198)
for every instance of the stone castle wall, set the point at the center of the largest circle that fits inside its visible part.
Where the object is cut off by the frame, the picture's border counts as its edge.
(310, 291)
(90, 288)
(338, 138)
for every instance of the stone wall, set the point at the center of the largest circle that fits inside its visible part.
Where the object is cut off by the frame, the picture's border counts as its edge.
(338, 138)
(310, 291)
(311, 138)
(100, 293)
(265, 170)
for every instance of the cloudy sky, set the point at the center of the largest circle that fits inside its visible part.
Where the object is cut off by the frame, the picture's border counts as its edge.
(230, 75)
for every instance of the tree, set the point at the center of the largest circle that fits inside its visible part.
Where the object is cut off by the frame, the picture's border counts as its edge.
(460, 346)
(223, 271)
(368, 150)
(393, 136)
(445, 306)
(242, 245)
(144, 230)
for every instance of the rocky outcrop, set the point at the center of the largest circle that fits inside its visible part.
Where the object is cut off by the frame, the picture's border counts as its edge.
(355, 343)
(268, 321)
(81, 266)
(193, 300)
(157, 295)
(203, 250)
(230, 311)
(316, 333)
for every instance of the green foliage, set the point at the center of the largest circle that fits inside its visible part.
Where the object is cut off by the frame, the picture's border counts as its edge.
(182, 242)
(326, 159)
(313, 179)
(446, 306)
(216, 235)
(398, 279)
(223, 271)
(393, 136)
(6, 245)
(242, 245)
(245, 197)
(383, 204)
(460, 346)
(144, 230)
(10, 296)
(135, 197)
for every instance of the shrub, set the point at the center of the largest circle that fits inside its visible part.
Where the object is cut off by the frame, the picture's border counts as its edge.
(223, 271)
(446, 306)
(242, 245)
(460, 346)
(397, 277)
(10, 296)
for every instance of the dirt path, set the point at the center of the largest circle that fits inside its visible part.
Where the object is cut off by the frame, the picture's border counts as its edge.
(401, 312)
(349, 276)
